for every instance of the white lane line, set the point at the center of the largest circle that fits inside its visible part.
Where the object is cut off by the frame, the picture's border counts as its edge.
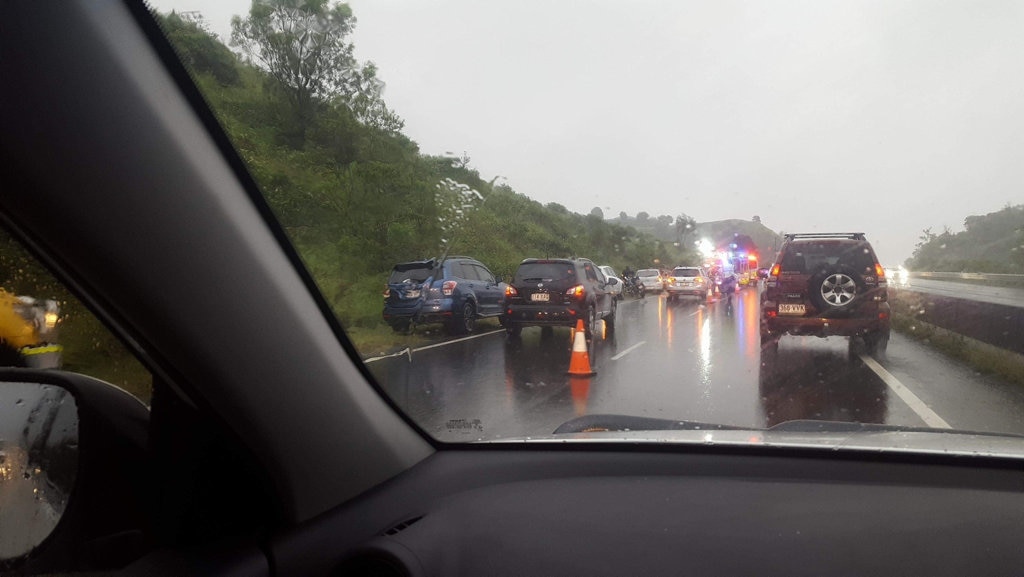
(917, 405)
(629, 350)
(407, 351)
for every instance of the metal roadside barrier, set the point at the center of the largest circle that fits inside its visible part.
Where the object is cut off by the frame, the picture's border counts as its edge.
(995, 324)
(975, 277)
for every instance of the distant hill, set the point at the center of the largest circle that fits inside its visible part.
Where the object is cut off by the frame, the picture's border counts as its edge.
(721, 231)
(992, 243)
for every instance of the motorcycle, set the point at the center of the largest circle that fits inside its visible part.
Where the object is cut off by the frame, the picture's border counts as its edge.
(633, 287)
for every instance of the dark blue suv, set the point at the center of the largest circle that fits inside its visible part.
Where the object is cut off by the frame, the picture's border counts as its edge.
(455, 291)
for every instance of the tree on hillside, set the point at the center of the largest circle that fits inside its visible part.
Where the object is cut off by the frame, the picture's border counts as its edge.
(596, 211)
(686, 227)
(303, 45)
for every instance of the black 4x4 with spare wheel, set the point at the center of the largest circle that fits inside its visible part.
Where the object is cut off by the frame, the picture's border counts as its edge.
(559, 292)
(826, 284)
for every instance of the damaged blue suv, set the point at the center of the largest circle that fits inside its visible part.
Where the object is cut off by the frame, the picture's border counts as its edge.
(455, 291)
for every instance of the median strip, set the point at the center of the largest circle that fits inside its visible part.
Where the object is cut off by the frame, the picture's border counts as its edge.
(916, 404)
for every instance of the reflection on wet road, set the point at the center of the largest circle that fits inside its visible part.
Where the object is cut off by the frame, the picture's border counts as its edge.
(685, 360)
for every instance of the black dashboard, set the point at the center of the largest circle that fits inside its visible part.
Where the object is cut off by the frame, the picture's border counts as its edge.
(505, 511)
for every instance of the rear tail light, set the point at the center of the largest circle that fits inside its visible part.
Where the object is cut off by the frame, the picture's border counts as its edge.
(776, 269)
(387, 292)
(510, 291)
(577, 291)
(879, 271)
(448, 287)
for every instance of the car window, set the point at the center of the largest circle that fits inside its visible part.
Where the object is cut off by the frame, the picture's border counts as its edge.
(813, 137)
(43, 325)
(483, 274)
(545, 272)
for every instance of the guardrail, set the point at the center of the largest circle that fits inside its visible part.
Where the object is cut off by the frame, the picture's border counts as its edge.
(995, 324)
(973, 277)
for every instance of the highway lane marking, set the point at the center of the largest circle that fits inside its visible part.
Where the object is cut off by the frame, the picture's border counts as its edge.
(408, 351)
(629, 350)
(916, 404)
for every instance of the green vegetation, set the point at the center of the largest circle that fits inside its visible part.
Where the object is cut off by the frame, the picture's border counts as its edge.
(992, 243)
(89, 348)
(355, 195)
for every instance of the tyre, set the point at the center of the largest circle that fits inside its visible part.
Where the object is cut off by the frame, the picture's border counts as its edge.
(466, 322)
(609, 321)
(590, 326)
(400, 327)
(513, 330)
(835, 288)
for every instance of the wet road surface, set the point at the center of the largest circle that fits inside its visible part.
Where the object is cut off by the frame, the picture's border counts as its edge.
(687, 360)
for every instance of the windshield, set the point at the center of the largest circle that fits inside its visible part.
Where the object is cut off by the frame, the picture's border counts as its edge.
(545, 272)
(820, 143)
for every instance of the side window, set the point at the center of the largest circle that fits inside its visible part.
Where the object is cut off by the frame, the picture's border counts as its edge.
(43, 326)
(455, 269)
(483, 274)
(470, 271)
(591, 274)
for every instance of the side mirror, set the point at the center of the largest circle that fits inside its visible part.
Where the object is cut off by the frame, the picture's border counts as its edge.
(613, 281)
(72, 463)
(38, 463)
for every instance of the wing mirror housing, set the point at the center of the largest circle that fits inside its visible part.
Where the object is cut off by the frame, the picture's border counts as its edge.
(72, 466)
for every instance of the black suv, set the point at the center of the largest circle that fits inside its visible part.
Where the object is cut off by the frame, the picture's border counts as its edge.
(826, 284)
(559, 292)
(455, 291)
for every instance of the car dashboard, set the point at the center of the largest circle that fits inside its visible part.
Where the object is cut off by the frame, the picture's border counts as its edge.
(641, 511)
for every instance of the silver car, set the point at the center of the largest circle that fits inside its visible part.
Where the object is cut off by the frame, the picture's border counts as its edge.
(651, 279)
(690, 281)
(610, 273)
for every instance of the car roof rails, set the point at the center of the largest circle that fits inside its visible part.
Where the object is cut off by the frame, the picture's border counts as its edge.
(849, 235)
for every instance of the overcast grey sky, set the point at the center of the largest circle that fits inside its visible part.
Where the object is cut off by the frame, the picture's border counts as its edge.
(885, 117)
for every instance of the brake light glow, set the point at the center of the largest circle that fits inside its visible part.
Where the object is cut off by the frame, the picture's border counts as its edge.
(879, 271)
(510, 291)
(576, 291)
(776, 269)
(448, 287)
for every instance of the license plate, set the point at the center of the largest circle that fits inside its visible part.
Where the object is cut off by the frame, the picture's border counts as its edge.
(544, 297)
(785, 309)
(414, 294)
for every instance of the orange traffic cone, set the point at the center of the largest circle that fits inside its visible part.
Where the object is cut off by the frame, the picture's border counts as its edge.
(579, 365)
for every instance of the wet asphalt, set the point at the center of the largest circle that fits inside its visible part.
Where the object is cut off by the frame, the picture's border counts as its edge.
(686, 360)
